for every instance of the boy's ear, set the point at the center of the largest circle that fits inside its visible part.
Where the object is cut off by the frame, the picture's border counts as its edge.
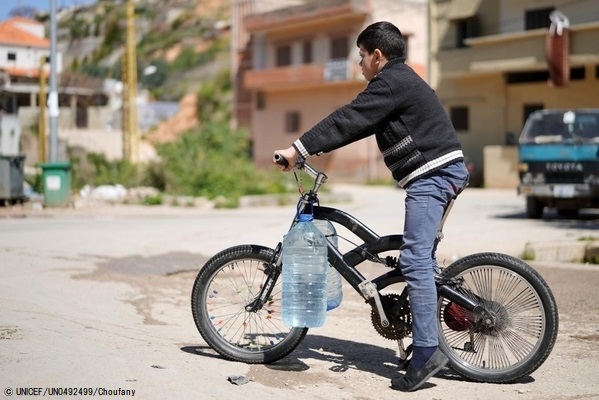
(378, 55)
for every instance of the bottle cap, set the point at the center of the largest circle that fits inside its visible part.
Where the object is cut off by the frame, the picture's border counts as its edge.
(306, 217)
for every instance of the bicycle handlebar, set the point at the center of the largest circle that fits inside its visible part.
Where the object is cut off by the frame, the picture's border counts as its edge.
(279, 159)
(319, 177)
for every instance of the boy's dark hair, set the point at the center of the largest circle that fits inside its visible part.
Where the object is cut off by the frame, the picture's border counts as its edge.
(383, 36)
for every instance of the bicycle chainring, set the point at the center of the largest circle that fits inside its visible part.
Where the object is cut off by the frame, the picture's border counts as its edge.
(400, 319)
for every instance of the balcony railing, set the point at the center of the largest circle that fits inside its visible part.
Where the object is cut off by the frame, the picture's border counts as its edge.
(318, 10)
(302, 75)
(519, 51)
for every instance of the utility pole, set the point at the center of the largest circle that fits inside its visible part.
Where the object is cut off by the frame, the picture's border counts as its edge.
(42, 139)
(129, 72)
(53, 98)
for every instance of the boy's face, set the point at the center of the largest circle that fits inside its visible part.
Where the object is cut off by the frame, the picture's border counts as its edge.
(371, 63)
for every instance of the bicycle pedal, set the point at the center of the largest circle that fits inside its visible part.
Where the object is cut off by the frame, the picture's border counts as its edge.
(403, 364)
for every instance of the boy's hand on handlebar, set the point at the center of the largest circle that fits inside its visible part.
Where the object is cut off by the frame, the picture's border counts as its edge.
(289, 155)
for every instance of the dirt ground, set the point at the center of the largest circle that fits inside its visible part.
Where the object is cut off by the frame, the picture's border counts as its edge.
(347, 359)
(101, 299)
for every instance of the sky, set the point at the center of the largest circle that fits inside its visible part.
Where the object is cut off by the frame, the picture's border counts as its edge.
(43, 5)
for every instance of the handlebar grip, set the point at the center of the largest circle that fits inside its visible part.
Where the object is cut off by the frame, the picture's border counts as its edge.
(279, 159)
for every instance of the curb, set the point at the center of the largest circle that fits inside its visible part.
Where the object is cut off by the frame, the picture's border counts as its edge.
(567, 252)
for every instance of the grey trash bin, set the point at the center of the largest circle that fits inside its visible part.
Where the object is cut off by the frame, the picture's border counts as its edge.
(11, 178)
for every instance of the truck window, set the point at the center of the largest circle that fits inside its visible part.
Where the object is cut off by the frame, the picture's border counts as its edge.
(556, 127)
(587, 127)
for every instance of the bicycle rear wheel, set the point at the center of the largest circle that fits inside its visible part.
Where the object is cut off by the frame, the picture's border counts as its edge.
(223, 287)
(522, 312)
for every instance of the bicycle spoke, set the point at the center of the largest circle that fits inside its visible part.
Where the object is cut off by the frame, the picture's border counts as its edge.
(498, 357)
(482, 283)
(523, 301)
(508, 283)
(529, 325)
(517, 344)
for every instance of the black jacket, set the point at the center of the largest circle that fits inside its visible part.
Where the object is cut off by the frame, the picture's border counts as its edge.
(413, 131)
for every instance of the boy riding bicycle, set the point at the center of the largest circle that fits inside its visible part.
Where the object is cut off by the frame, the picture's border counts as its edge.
(420, 147)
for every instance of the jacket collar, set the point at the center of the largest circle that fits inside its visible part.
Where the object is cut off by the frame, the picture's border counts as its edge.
(397, 60)
(390, 63)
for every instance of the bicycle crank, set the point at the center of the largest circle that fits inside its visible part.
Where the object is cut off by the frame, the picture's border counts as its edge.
(400, 319)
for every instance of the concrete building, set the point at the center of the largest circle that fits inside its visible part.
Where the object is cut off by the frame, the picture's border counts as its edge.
(296, 64)
(24, 60)
(24, 55)
(489, 67)
(24, 52)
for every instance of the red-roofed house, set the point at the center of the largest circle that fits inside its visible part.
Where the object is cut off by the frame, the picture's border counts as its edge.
(23, 49)
(24, 53)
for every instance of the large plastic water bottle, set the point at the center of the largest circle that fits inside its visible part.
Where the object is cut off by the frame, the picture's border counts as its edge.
(305, 266)
(334, 279)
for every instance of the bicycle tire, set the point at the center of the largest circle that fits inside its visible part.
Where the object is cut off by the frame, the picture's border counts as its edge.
(526, 325)
(223, 287)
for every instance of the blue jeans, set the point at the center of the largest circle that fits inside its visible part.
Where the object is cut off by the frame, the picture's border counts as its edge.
(426, 200)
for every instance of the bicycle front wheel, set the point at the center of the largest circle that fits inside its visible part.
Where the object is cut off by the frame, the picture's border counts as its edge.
(225, 285)
(519, 329)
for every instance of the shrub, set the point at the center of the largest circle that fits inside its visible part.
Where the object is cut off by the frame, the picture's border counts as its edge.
(212, 162)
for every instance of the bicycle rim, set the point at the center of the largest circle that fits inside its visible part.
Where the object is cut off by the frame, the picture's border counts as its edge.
(506, 351)
(221, 294)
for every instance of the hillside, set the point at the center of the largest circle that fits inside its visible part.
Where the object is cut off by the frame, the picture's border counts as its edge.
(186, 40)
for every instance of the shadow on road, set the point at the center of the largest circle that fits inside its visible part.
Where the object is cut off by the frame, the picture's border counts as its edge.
(343, 355)
(584, 220)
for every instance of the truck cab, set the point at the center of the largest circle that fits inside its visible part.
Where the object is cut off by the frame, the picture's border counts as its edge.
(558, 153)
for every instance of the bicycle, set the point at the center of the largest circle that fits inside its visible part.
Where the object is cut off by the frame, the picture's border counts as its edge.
(498, 319)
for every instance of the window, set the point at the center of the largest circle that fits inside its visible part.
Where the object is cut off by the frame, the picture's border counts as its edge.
(527, 77)
(307, 52)
(576, 74)
(536, 19)
(465, 28)
(283, 55)
(459, 117)
(292, 121)
(529, 109)
(11, 56)
(339, 47)
(260, 101)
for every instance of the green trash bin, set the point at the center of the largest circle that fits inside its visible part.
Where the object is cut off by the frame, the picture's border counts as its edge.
(56, 181)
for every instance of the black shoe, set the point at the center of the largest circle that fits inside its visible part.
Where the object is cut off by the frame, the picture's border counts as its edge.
(413, 379)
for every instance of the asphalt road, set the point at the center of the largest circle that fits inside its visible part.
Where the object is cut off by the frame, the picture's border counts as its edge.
(99, 298)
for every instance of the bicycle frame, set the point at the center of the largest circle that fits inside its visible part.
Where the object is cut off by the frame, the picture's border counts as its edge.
(346, 264)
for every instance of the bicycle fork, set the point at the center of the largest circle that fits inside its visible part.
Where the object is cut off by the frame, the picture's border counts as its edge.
(272, 274)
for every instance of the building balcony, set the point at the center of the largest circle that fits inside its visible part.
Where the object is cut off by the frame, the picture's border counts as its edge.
(302, 76)
(515, 52)
(323, 11)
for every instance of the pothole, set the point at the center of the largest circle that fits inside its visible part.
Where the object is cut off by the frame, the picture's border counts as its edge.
(10, 333)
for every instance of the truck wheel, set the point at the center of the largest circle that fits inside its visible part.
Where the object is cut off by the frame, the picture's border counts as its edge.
(534, 207)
